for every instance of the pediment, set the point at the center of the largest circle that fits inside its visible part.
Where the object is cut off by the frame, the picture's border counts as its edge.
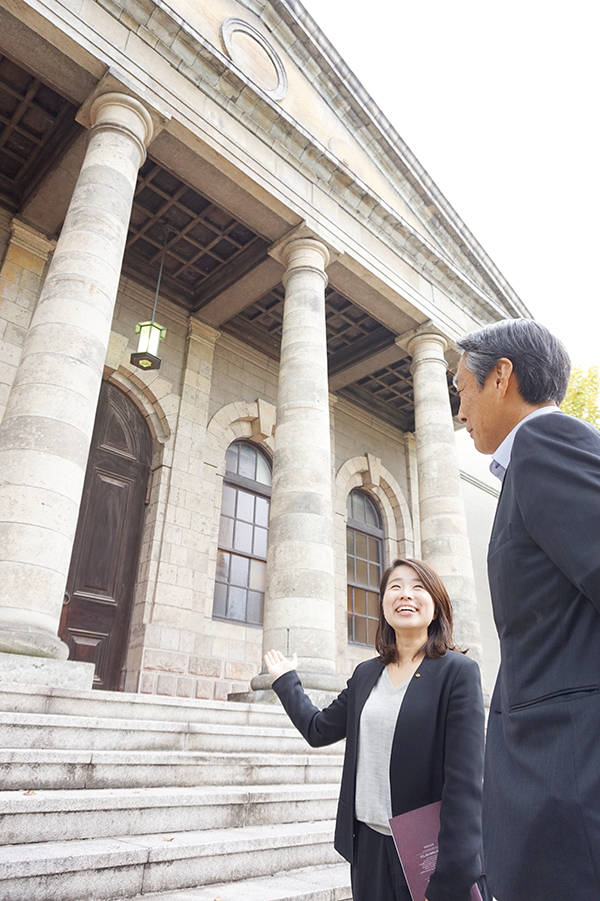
(280, 50)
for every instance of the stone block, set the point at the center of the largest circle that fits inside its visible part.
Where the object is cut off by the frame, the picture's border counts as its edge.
(204, 666)
(164, 661)
(242, 672)
(221, 690)
(204, 689)
(165, 685)
(185, 687)
(45, 671)
(147, 683)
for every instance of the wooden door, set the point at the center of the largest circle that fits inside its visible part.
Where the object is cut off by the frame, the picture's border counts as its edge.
(104, 563)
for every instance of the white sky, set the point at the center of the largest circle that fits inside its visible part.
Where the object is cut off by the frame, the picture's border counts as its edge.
(499, 102)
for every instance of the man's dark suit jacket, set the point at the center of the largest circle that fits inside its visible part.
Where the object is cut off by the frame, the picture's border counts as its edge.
(437, 754)
(542, 777)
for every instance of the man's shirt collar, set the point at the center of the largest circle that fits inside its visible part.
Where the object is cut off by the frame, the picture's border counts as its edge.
(502, 454)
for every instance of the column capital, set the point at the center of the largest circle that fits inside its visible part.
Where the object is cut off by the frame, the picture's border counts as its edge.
(425, 343)
(117, 83)
(120, 112)
(202, 332)
(303, 248)
(421, 334)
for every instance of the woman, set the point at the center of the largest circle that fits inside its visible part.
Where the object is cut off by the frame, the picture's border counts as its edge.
(413, 723)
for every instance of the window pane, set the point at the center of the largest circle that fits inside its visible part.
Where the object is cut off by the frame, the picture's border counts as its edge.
(223, 566)
(263, 470)
(358, 506)
(374, 546)
(260, 542)
(371, 630)
(350, 628)
(372, 604)
(243, 537)
(236, 608)
(350, 568)
(350, 541)
(220, 600)
(373, 575)
(247, 465)
(231, 458)
(228, 501)
(258, 575)
(245, 506)
(226, 532)
(254, 612)
(360, 601)
(361, 545)
(239, 570)
(361, 572)
(261, 515)
(371, 517)
(360, 630)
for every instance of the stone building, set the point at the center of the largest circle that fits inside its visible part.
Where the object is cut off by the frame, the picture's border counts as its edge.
(311, 278)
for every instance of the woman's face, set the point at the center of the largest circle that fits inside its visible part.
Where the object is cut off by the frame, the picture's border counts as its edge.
(407, 605)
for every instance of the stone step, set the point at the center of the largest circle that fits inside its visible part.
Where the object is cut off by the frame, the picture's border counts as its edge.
(118, 705)
(32, 730)
(33, 816)
(81, 733)
(122, 867)
(326, 883)
(24, 769)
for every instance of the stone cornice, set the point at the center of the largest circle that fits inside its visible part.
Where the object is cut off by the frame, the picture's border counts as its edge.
(213, 73)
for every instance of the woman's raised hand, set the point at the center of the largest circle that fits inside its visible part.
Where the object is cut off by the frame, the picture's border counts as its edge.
(277, 664)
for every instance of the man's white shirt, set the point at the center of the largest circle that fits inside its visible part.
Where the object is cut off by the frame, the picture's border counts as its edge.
(502, 454)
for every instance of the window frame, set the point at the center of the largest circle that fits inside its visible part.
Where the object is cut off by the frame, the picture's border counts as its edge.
(258, 490)
(378, 533)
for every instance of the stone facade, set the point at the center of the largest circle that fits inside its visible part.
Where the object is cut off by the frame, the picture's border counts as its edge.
(314, 282)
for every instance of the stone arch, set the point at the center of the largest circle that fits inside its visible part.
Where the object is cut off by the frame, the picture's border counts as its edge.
(240, 419)
(368, 473)
(146, 396)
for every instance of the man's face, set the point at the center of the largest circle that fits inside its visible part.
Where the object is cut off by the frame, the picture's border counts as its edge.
(481, 409)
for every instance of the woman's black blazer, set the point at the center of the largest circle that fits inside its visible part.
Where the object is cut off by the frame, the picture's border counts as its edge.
(437, 755)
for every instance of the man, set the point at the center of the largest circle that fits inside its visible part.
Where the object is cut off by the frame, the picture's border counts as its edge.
(542, 778)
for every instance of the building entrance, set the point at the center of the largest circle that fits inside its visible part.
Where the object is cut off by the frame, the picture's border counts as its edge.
(103, 571)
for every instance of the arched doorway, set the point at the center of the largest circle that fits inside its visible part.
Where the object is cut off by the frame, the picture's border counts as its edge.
(104, 563)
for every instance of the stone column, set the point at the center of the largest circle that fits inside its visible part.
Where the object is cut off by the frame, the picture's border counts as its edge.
(47, 428)
(299, 605)
(21, 279)
(444, 540)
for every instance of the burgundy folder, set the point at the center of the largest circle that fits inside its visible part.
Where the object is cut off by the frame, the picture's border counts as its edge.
(416, 838)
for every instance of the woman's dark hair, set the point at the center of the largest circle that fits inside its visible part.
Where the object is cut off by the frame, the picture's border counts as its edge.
(439, 632)
(540, 361)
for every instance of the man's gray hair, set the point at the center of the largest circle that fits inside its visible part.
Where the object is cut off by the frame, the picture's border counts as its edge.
(540, 361)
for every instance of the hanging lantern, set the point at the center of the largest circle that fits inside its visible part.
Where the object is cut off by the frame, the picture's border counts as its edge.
(150, 333)
(146, 356)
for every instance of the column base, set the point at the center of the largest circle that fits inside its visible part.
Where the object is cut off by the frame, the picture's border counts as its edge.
(317, 681)
(32, 644)
(28, 670)
(322, 689)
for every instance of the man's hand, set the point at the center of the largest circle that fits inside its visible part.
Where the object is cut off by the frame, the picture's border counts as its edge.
(277, 664)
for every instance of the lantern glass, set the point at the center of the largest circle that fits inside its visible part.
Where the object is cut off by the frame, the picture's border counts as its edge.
(150, 334)
(146, 356)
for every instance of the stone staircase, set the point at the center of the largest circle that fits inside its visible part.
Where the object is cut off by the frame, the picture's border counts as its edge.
(107, 797)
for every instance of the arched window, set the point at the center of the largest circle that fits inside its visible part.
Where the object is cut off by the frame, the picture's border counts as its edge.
(244, 528)
(365, 566)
